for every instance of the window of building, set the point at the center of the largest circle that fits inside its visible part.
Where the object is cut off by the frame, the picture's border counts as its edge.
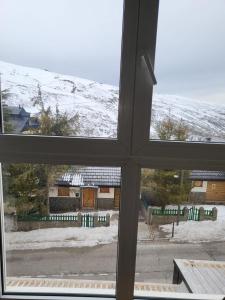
(198, 183)
(213, 186)
(127, 147)
(104, 189)
(63, 191)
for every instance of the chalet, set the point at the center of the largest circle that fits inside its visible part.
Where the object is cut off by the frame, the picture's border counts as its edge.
(207, 187)
(86, 188)
(19, 119)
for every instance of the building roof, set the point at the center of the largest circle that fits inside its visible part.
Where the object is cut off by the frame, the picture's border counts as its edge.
(207, 175)
(17, 110)
(18, 118)
(91, 176)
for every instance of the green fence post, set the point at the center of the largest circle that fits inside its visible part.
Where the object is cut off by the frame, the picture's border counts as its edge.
(95, 220)
(214, 214)
(79, 220)
(201, 214)
(107, 223)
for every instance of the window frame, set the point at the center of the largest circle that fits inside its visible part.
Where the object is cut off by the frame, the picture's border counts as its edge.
(132, 150)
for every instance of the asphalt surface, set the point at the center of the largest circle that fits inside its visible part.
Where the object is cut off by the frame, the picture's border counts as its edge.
(154, 260)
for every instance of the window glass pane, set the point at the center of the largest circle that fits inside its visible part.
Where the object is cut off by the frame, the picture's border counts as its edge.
(60, 68)
(181, 241)
(60, 231)
(189, 99)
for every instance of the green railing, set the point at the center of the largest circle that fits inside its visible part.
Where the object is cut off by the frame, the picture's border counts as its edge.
(86, 220)
(209, 213)
(193, 214)
(53, 218)
(166, 212)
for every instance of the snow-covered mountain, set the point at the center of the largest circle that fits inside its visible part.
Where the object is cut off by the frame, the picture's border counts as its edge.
(97, 104)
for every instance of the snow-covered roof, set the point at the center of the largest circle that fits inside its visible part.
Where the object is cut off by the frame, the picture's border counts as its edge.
(207, 175)
(91, 176)
(17, 110)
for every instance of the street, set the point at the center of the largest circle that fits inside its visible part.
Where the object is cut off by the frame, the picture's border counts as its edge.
(154, 260)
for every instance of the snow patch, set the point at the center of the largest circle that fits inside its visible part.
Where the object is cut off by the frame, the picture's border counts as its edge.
(76, 237)
(195, 232)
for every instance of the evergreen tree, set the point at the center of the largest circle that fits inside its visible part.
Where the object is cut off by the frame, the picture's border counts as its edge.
(8, 128)
(168, 186)
(58, 123)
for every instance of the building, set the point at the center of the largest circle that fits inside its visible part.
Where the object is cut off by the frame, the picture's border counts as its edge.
(207, 186)
(86, 188)
(19, 119)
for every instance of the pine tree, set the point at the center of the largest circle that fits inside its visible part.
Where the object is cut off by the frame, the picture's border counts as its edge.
(168, 186)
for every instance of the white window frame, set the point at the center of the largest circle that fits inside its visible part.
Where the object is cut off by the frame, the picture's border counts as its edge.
(131, 151)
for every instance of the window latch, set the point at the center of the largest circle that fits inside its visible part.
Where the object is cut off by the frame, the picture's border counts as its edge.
(147, 60)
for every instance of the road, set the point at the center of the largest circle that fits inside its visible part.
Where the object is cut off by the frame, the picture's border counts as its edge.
(154, 260)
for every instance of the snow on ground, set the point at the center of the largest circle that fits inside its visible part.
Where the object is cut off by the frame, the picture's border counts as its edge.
(204, 231)
(64, 237)
(61, 237)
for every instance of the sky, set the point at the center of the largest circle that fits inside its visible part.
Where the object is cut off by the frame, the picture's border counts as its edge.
(83, 38)
(77, 37)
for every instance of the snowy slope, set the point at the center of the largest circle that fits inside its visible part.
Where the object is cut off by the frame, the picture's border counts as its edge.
(97, 104)
(204, 119)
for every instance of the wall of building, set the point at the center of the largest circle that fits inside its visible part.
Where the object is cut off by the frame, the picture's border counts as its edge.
(105, 200)
(106, 195)
(215, 191)
(198, 193)
(63, 204)
(105, 203)
(200, 189)
(72, 203)
(53, 191)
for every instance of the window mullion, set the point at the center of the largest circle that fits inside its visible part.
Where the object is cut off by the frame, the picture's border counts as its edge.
(128, 225)
(127, 75)
(145, 79)
(15, 148)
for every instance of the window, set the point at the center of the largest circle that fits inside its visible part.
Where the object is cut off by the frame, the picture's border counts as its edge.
(53, 94)
(197, 183)
(57, 227)
(63, 191)
(131, 150)
(213, 186)
(104, 190)
(188, 99)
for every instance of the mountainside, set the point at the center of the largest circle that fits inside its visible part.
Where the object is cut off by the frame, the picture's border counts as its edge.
(97, 104)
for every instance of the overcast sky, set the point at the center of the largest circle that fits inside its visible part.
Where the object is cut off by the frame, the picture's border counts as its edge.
(83, 38)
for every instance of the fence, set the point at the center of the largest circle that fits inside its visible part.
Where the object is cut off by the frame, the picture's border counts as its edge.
(31, 222)
(53, 218)
(165, 216)
(194, 214)
(166, 212)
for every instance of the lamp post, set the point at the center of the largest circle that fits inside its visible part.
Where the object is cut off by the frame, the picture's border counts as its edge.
(181, 186)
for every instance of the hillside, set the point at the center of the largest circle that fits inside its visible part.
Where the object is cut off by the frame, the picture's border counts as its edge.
(97, 104)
